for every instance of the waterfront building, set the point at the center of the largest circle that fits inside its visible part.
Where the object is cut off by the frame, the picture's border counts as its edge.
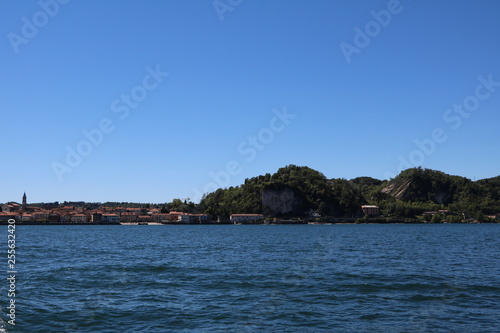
(110, 218)
(176, 216)
(26, 217)
(42, 215)
(144, 218)
(160, 218)
(246, 218)
(128, 217)
(65, 218)
(96, 217)
(199, 218)
(79, 218)
(371, 210)
(184, 218)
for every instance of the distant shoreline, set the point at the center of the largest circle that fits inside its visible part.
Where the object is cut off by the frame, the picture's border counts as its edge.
(230, 223)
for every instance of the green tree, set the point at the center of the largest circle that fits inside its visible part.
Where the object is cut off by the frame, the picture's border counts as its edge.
(436, 218)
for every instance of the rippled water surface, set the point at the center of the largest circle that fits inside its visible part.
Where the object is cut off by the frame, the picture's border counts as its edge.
(241, 278)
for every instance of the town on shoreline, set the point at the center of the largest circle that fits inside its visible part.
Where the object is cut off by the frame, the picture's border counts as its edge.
(74, 215)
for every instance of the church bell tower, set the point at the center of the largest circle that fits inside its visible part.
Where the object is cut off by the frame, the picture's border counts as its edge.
(24, 202)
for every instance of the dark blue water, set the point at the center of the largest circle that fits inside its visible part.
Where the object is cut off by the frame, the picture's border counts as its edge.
(237, 278)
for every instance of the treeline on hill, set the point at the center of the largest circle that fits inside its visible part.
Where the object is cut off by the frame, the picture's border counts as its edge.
(412, 192)
(309, 190)
(417, 190)
(91, 205)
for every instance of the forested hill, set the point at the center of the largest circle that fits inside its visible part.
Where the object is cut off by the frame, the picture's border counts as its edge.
(299, 191)
(456, 193)
(292, 190)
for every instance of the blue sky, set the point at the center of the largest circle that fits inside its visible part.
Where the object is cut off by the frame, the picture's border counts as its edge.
(252, 86)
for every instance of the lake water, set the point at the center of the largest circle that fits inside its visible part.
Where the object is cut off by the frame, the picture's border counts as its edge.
(262, 278)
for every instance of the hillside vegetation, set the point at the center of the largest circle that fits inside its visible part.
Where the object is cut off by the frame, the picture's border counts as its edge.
(424, 189)
(301, 191)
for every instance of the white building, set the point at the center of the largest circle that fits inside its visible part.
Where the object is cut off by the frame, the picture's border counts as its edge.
(184, 218)
(246, 218)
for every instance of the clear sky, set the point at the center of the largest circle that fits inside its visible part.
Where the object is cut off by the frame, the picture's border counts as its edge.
(175, 95)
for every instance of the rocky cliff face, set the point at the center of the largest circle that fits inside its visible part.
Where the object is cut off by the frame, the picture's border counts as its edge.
(399, 192)
(281, 202)
(410, 190)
